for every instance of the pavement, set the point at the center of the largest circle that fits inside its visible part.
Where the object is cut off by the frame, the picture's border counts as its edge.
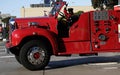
(2, 47)
(104, 64)
(65, 66)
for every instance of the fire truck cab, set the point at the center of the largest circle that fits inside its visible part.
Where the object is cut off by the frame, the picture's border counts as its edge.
(34, 40)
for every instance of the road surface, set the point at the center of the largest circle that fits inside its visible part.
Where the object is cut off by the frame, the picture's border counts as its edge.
(106, 64)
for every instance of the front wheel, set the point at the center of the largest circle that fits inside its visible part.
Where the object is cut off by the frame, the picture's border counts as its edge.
(34, 55)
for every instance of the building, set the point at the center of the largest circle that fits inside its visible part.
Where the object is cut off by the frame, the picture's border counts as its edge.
(39, 11)
(2, 16)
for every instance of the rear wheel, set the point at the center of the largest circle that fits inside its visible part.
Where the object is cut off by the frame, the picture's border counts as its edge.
(34, 55)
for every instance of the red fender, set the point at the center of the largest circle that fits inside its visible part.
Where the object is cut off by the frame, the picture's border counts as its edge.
(19, 34)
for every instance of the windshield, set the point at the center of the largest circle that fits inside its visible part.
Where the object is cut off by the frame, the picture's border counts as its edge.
(56, 8)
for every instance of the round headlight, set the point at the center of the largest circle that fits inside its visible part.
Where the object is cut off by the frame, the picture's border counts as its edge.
(12, 24)
(12, 21)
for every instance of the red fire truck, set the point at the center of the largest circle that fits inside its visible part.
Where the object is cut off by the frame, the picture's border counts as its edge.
(34, 40)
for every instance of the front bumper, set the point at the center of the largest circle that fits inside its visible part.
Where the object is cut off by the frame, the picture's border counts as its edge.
(8, 44)
(12, 49)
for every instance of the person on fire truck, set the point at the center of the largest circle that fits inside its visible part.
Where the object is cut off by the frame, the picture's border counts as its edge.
(65, 22)
(68, 13)
(70, 16)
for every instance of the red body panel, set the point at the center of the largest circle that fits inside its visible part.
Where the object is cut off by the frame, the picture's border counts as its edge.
(41, 21)
(80, 31)
(84, 35)
(108, 28)
(93, 32)
(79, 37)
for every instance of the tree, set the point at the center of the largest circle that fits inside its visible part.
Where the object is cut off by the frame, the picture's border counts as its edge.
(6, 20)
(109, 4)
(96, 3)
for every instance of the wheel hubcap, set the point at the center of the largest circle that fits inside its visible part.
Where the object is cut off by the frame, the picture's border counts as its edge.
(36, 55)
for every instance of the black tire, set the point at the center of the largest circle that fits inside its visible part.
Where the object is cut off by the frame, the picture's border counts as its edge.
(27, 54)
(18, 59)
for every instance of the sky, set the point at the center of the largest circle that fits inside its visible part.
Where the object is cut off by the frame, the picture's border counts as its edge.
(13, 6)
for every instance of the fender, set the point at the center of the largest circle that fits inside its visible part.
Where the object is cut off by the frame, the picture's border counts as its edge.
(19, 34)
